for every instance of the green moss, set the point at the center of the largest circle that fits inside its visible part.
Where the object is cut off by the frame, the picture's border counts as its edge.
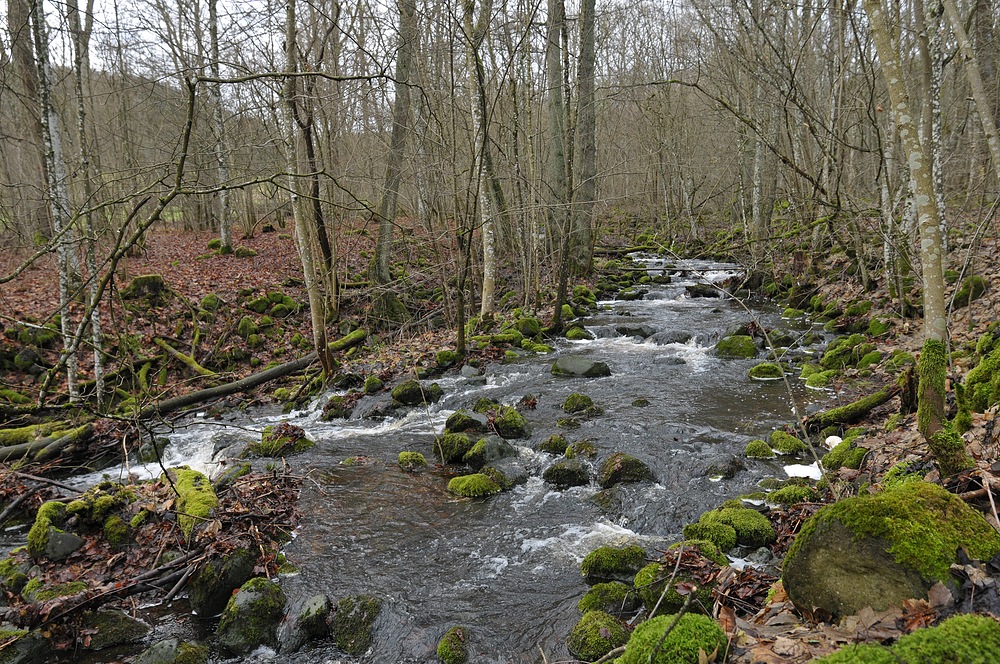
(908, 517)
(196, 500)
(353, 622)
(51, 513)
(932, 371)
(609, 562)
(248, 623)
(279, 441)
(116, 531)
(842, 352)
(529, 326)
(821, 379)
(786, 443)
(846, 454)
(510, 424)
(446, 358)
(584, 448)
(693, 632)
(765, 371)
(36, 591)
(852, 412)
(138, 519)
(13, 573)
(758, 449)
(972, 288)
(962, 639)
(473, 486)
(612, 597)
(452, 447)
(451, 648)
(876, 327)
(736, 346)
(373, 384)
(706, 548)
(898, 360)
(246, 327)
(13, 396)
(752, 528)
(870, 359)
(211, 302)
(596, 634)
(577, 403)
(554, 444)
(411, 461)
(793, 494)
(982, 384)
(577, 333)
(949, 452)
(485, 405)
(720, 534)
(651, 584)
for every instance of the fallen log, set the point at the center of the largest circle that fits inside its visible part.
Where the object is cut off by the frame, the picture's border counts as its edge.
(186, 359)
(168, 406)
(852, 412)
(47, 447)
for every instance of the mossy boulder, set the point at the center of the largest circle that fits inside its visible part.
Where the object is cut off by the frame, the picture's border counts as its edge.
(510, 424)
(766, 371)
(845, 454)
(452, 447)
(487, 450)
(758, 449)
(212, 585)
(196, 500)
(793, 494)
(821, 379)
(45, 539)
(972, 288)
(373, 384)
(842, 353)
(451, 648)
(308, 619)
(554, 444)
(211, 302)
(878, 550)
(567, 473)
(464, 421)
(150, 286)
(280, 440)
(596, 634)
(110, 627)
(337, 407)
(37, 591)
(174, 651)
(785, 443)
(529, 326)
(752, 528)
(413, 393)
(476, 485)
(251, 617)
(651, 584)
(411, 461)
(247, 327)
(622, 468)
(614, 597)
(736, 346)
(693, 634)
(577, 403)
(961, 639)
(577, 333)
(720, 534)
(353, 623)
(610, 563)
(24, 647)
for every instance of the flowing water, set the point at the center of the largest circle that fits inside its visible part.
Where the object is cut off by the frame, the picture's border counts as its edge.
(508, 567)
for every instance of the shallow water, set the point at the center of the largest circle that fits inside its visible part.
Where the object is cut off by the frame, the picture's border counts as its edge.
(508, 567)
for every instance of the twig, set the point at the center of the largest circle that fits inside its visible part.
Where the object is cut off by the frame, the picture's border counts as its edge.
(46, 480)
(180, 583)
(989, 494)
(14, 505)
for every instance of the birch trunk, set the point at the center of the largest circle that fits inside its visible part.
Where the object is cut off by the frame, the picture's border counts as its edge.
(219, 128)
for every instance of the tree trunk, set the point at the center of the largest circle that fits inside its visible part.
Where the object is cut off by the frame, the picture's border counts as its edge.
(554, 175)
(219, 128)
(585, 193)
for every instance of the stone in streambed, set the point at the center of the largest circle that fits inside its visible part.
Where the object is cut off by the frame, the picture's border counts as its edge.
(567, 473)
(308, 620)
(173, 651)
(622, 468)
(574, 365)
(251, 617)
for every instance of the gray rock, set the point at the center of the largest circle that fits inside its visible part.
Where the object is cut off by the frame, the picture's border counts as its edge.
(567, 473)
(508, 472)
(27, 648)
(669, 361)
(621, 468)
(308, 620)
(702, 290)
(413, 393)
(61, 544)
(464, 420)
(641, 331)
(251, 617)
(113, 628)
(488, 449)
(173, 651)
(574, 365)
(725, 468)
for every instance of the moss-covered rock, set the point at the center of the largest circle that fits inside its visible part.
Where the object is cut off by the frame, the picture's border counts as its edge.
(554, 444)
(577, 403)
(972, 288)
(752, 528)
(337, 407)
(116, 531)
(720, 534)
(451, 648)
(510, 424)
(452, 447)
(841, 353)
(736, 346)
(596, 634)
(196, 500)
(758, 449)
(251, 617)
(247, 327)
(651, 584)
(411, 461)
(373, 384)
(37, 591)
(623, 468)
(151, 286)
(476, 485)
(878, 550)
(353, 623)
(614, 597)
(766, 371)
(24, 647)
(280, 440)
(413, 393)
(49, 516)
(572, 365)
(174, 651)
(567, 473)
(961, 639)
(692, 633)
(785, 443)
(577, 333)
(845, 454)
(487, 450)
(793, 494)
(610, 563)
(213, 584)
(529, 326)
(110, 627)
(465, 421)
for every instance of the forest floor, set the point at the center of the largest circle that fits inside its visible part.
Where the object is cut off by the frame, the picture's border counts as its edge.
(774, 633)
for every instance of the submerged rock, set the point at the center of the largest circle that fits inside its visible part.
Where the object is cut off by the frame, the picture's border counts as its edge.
(573, 365)
(880, 549)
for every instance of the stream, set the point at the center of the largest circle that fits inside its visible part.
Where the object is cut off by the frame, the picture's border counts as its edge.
(507, 567)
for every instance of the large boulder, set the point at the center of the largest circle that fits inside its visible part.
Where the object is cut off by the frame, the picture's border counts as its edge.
(310, 619)
(574, 365)
(413, 393)
(213, 585)
(488, 449)
(251, 617)
(878, 550)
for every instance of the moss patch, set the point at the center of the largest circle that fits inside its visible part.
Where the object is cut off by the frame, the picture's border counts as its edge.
(411, 461)
(736, 346)
(451, 648)
(720, 534)
(613, 563)
(596, 634)
(196, 500)
(786, 443)
(693, 633)
(752, 528)
(758, 449)
(477, 485)
(280, 440)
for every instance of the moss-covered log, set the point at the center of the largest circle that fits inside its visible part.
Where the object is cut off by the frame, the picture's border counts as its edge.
(186, 359)
(29, 433)
(852, 412)
(46, 448)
